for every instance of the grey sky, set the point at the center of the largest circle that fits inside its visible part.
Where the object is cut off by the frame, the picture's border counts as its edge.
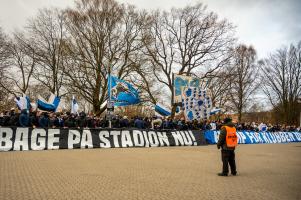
(265, 24)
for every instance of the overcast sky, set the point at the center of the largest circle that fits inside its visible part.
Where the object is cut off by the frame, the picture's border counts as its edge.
(265, 24)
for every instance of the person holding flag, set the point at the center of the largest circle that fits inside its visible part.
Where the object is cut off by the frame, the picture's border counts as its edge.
(74, 106)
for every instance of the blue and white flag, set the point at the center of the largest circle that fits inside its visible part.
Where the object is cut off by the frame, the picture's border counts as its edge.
(74, 106)
(51, 105)
(162, 110)
(181, 82)
(262, 127)
(23, 102)
(196, 102)
(215, 111)
(121, 92)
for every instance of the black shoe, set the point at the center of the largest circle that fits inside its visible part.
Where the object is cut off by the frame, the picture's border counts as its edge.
(222, 174)
(233, 174)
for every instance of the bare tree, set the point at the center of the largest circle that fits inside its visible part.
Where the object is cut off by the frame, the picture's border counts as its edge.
(220, 87)
(103, 40)
(45, 36)
(244, 80)
(143, 78)
(6, 86)
(4, 49)
(282, 82)
(188, 41)
(21, 65)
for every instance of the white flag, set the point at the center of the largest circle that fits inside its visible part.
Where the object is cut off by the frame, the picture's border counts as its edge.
(74, 106)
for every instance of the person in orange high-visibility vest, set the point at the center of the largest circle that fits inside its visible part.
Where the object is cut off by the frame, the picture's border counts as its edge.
(227, 142)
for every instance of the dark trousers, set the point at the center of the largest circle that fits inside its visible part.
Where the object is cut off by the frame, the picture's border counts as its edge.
(228, 157)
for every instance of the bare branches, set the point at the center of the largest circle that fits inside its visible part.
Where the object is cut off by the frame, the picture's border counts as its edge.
(6, 84)
(22, 63)
(186, 41)
(243, 83)
(74, 50)
(46, 36)
(282, 85)
(103, 39)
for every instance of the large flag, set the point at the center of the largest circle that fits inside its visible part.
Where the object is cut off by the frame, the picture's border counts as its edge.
(74, 106)
(197, 103)
(122, 93)
(23, 102)
(181, 81)
(51, 105)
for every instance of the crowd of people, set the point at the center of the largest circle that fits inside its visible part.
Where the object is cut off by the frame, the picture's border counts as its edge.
(83, 120)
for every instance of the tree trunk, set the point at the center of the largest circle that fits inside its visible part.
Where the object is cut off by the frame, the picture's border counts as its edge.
(239, 116)
(173, 111)
(173, 106)
(96, 93)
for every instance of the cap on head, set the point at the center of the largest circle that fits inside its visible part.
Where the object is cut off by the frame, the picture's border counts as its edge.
(227, 120)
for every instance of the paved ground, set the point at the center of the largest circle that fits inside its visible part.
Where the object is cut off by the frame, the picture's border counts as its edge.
(266, 171)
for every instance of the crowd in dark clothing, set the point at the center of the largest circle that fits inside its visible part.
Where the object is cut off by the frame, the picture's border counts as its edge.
(269, 127)
(82, 120)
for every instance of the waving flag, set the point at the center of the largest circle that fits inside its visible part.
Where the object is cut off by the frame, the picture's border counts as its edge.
(164, 111)
(23, 102)
(215, 111)
(161, 110)
(50, 105)
(122, 93)
(74, 106)
(196, 102)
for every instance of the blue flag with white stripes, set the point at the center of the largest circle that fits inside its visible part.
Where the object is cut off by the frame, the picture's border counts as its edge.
(51, 105)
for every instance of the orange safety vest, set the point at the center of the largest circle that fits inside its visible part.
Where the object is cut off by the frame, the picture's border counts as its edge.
(231, 137)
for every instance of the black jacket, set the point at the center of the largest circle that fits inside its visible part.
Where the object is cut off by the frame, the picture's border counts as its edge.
(81, 122)
(24, 119)
(222, 138)
(44, 122)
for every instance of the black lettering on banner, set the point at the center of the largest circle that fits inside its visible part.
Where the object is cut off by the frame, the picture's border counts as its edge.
(19, 139)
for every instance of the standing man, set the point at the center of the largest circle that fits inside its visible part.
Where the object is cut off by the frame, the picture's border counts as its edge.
(228, 141)
(24, 118)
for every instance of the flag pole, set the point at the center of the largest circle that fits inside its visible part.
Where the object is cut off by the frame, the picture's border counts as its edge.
(109, 102)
